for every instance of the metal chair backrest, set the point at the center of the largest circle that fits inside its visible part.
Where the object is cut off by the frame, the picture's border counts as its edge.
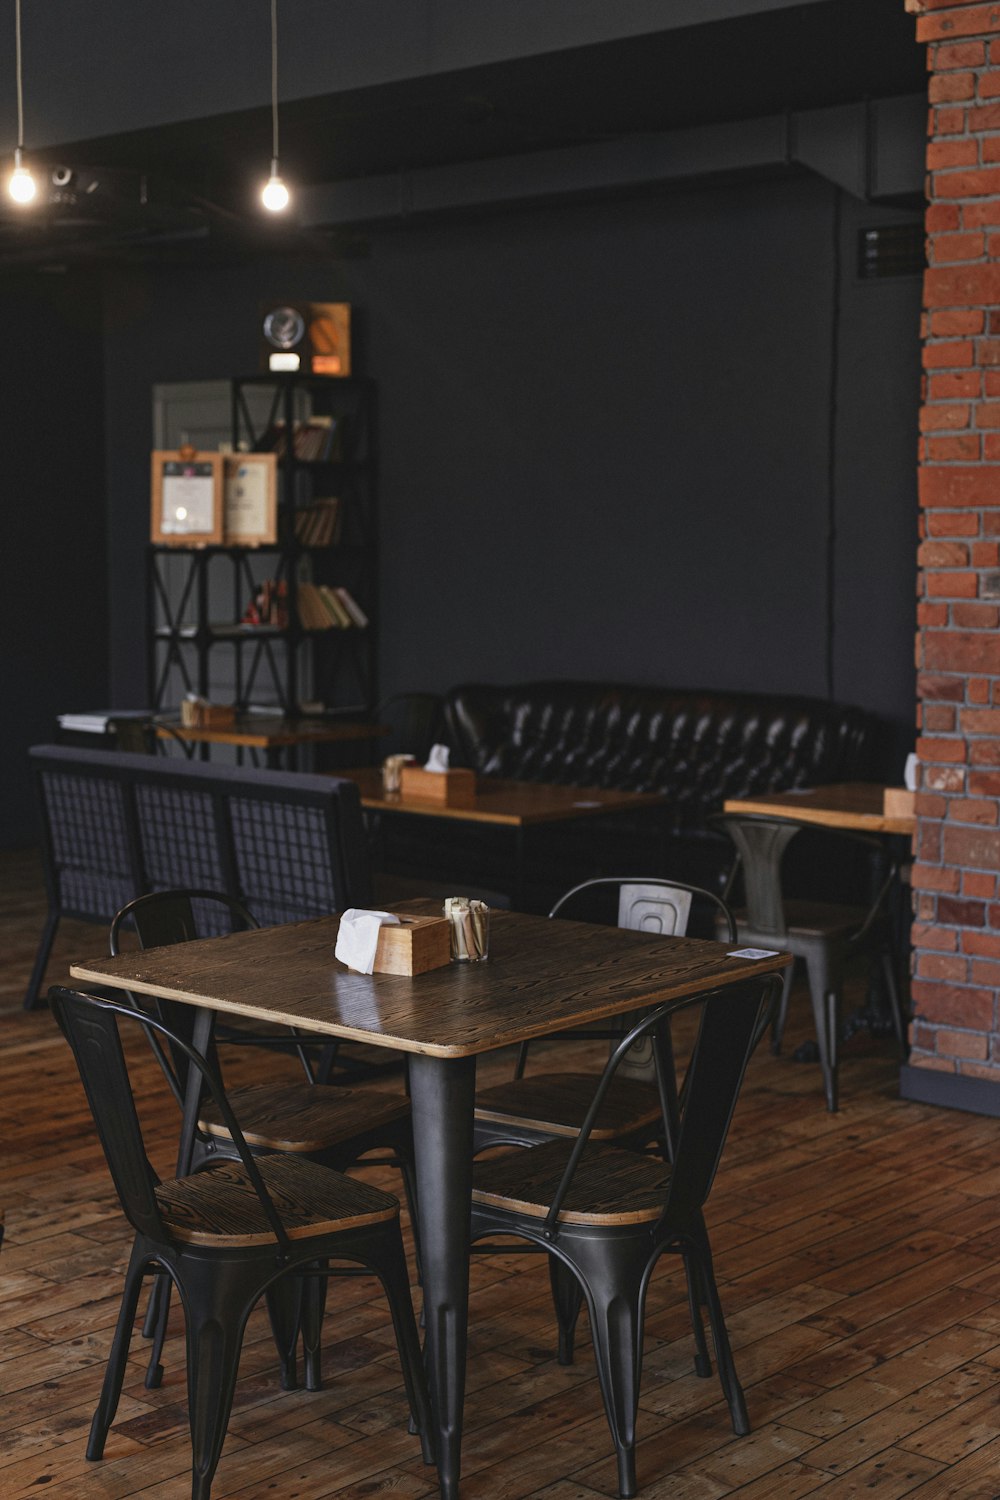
(698, 1122)
(647, 903)
(761, 843)
(178, 916)
(91, 1026)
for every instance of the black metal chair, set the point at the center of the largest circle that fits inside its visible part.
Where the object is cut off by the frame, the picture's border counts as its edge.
(605, 1215)
(222, 1238)
(825, 935)
(329, 1125)
(527, 1110)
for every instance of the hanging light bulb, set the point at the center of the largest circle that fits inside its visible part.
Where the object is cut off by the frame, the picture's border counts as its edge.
(20, 184)
(274, 195)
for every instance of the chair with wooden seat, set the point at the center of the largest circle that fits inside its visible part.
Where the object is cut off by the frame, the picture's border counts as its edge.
(330, 1125)
(527, 1110)
(823, 934)
(605, 1215)
(232, 1233)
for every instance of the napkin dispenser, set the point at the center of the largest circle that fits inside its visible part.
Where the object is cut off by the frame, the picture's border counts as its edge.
(898, 802)
(414, 946)
(453, 788)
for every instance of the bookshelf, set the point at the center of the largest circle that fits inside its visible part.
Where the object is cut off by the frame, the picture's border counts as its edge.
(293, 621)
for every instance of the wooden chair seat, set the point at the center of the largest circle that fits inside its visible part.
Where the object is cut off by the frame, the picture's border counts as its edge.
(302, 1117)
(608, 1187)
(555, 1104)
(219, 1206)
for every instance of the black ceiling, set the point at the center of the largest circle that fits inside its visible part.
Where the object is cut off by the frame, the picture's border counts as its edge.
(835, 52)
(203, 175)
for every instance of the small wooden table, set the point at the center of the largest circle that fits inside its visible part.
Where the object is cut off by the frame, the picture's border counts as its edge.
(517, 805)
(272, 735)
(853, 805)
(541, 977)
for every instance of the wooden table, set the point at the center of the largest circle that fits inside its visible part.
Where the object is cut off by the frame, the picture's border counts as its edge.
(853, 805)
(541, 977)
(274, 735)
(517, 805)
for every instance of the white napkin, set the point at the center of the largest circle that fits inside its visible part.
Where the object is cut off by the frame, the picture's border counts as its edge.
(357, 938)
(438, 758)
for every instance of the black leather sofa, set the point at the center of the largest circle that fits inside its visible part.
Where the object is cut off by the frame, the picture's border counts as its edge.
(697, 748)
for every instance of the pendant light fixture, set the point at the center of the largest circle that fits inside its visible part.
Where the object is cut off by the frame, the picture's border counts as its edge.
(20, 185)
(274, 195)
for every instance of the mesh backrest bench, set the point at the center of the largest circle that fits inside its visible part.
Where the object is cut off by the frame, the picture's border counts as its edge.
(288, 845)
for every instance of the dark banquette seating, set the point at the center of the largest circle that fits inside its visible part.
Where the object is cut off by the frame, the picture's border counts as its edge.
(116, 825)
(697, 748)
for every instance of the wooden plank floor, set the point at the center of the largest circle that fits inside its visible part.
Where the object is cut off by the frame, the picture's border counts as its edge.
(858, 1259)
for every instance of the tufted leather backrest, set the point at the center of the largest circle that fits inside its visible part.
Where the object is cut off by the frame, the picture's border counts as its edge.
(696, 747)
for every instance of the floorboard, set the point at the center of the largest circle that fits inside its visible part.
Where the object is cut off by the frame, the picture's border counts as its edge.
(859, 1264)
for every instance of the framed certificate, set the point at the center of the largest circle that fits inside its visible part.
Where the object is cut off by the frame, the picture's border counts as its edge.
(186, 498)
(250, 507)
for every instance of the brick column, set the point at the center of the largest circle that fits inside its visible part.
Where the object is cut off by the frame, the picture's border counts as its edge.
(956, 935)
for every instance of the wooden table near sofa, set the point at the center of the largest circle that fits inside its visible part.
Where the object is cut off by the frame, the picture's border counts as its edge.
(541, 977)
(275, 736)
(854, 805)
(517, 805)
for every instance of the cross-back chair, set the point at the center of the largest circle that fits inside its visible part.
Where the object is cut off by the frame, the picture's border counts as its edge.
(323, 1123)
(823, 934)
(528, 1109)
(240, 1229)
(605, 1215)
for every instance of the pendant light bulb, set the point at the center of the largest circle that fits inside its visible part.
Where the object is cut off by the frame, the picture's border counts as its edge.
(275, 195)
(21, 185)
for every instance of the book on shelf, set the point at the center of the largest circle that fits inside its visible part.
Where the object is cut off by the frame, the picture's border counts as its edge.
(322, 607)
(315, 439)
(357, 614)
(318, 524)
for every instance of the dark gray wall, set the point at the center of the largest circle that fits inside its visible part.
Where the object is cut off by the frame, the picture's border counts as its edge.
(605, 441)
(53, 655)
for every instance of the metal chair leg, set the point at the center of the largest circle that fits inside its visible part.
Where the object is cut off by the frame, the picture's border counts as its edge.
(611, 1273)
(731, 1388)
(216, 1310)
(284, 1306)
(389, 1262)
(567, 1299)
(41, 960)
(115, 1372)
(781, 1016)
(696, 1298)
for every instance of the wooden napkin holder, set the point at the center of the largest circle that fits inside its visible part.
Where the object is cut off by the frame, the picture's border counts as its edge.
(898, 802)
(416, 945)
(207, 715)
(456, 788)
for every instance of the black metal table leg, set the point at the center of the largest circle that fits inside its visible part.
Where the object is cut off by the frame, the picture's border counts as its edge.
(442, 1093)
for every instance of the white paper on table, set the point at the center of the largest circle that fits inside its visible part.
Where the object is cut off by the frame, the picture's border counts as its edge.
(357, 938)
(438, 758)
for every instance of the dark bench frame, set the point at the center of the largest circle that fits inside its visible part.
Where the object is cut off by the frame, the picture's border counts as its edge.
(116, 825)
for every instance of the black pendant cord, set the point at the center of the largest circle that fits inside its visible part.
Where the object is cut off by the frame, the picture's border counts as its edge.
(20, 87)
(831, 460)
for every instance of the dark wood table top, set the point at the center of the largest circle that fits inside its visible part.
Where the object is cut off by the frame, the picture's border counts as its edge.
(262, 733)
(848, 804)
(541, 976)
(514, 803)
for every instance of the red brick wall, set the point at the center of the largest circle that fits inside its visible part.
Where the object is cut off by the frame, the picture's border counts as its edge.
(957, 905)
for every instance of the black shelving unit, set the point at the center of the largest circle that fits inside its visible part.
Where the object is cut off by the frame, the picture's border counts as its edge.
(271, 663)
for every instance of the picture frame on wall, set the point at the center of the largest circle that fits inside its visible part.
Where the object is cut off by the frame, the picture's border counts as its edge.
(250, 499)
(186, 498)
